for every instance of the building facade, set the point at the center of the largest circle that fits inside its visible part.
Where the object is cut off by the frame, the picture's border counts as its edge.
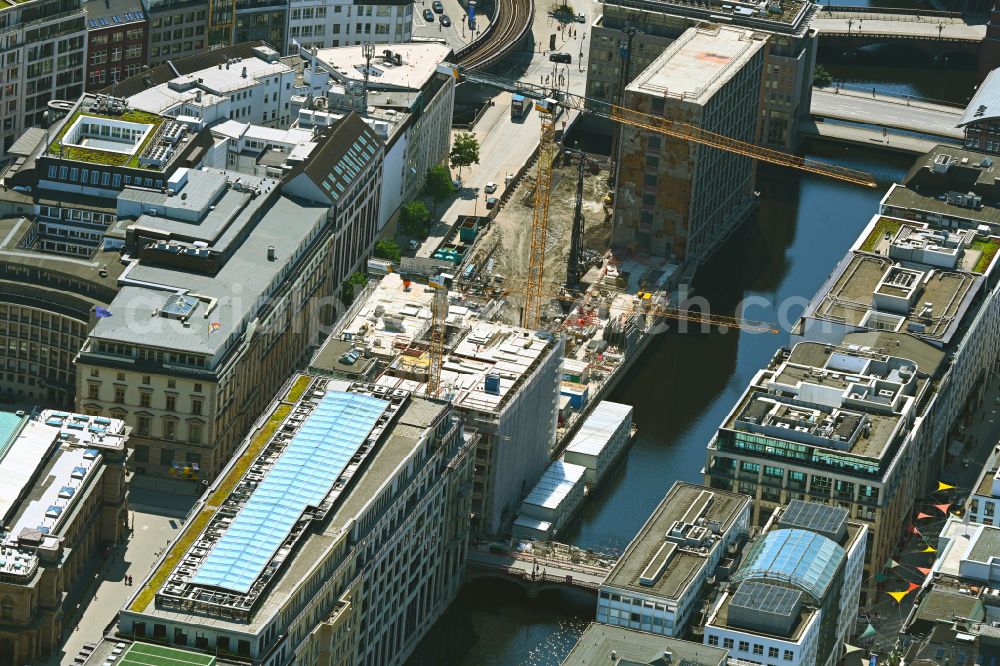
(45, 60)
(325, 24)
(790, 59)
(65, 503)
(657, 584)
(117, 34)
(176, 29)
(369, 552)
(675, 198)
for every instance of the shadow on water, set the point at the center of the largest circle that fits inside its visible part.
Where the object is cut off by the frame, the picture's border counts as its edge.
(682, 390)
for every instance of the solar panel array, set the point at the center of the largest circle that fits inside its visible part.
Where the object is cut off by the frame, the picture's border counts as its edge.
(301, 477)
(826, 520)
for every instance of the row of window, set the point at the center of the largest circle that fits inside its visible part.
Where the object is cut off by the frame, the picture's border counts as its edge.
(744, 646)
(102, 178)
(131, 35)
(145, 398)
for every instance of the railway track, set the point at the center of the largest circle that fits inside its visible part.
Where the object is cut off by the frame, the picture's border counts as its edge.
(511, 22)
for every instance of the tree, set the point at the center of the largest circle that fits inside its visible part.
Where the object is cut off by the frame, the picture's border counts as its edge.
(353, 287)
(464, 152)
(821, 77)
(387, 249)
(438, 185)
(414, 218)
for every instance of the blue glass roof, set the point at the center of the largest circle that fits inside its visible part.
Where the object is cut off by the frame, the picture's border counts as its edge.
(807, 560)
(301, 477)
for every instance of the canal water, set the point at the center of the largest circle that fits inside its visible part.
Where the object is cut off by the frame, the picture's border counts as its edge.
(687, 383)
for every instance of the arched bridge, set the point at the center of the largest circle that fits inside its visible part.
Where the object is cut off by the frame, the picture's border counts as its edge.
(536, 574)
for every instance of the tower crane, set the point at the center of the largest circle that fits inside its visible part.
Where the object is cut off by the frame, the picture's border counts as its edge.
(548, 101)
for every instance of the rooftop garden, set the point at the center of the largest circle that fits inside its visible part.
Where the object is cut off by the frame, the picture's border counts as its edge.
(298, 388)
(107, 158)
(214, 501)
(882, 227)
(989, 249)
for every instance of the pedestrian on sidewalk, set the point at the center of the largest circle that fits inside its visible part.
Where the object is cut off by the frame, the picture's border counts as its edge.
(873, 92)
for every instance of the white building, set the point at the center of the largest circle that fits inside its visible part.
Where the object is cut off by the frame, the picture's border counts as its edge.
(552, 502)
(657, 583)
(331, 23)
(255, 90)
(795, 597)
(601, 439)
(984, 500)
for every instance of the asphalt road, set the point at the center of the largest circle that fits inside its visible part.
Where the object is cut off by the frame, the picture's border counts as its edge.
(887, 111)
(925, 27)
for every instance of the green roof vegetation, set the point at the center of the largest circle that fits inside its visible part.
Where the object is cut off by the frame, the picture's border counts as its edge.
(146, 654)
(989, 249)
(218, 496)
(298, 388)
(106, 158)
(883, 226)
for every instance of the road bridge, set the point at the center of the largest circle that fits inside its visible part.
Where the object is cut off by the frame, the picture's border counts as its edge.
(933, 119)
(938, 34)
(537, 574)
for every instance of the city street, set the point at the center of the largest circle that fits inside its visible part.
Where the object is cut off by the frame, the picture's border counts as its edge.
(506, 144)
(457, 34)
(887, 111)
(153, 529)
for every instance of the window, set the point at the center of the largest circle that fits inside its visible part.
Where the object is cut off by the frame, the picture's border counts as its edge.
(758, 648)
(171, 383)
(713, 640)
(94, 372)
(141, 452)
(169, 428)
(194, 434)
(7, 609)
(166, 457)
(144, 429)
(197, 388)
(121, 376)
(93, 391)
(145, 379)
(772, 653)
(120, 394)
(750, 467)
(789, 655)
(144, 398)
(727, 643)
(744, 646)
(196, 406)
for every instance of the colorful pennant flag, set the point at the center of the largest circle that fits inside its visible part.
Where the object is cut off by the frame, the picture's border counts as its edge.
(214, 326)
(869, 631)
(850, 649)
(944, 486)
(922, 515)
(929, 549)
(101, 313)
(912, 587)
(891, 564)
(943, 508)
(898, 596)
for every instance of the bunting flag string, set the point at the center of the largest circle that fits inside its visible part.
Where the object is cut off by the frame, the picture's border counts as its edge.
(898, 596)
(944, 486)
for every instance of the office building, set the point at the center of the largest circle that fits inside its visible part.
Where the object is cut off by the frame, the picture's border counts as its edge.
(657, 584)
(117, 31)
(790, 58)
(180, 64)
(176, 29)
(229, 281)
(349, 561)
(794, 598)
(674, 198)
(64, 500)
(602, 644)
(835, 425)
(44, 60)
(410, 103)
(325, 24)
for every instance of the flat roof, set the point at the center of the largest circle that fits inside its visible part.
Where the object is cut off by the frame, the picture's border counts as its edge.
(557, 482)
(698, 63)
(248, 267)
(720, 618)
(147, 654)
(791, 19)
(599, 641)
(420, 62)
(601, 424)
(684, 565)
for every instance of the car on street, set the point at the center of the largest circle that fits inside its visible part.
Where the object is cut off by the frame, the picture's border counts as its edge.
(560, 56)
(491, 202)
(437, 7)
(445, 21)
(414, 245)
(581, 18)
(490, 188)
(428, 15)
(966, 462)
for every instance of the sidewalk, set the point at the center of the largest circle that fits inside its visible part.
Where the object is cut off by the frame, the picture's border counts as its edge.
(918, 102)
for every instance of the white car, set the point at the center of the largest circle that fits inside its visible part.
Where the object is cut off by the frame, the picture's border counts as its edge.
(490, 188)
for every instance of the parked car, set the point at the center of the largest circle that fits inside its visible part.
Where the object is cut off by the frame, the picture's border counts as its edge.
(581, 18)
(437, 7)
(491, 202)
(445, 21)
(428, 15)
(966, 462)
(414, 245)
(490, 188)
(457, 182)
(559, 56)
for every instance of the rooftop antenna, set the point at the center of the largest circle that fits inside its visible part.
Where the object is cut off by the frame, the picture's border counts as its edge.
(368, 51)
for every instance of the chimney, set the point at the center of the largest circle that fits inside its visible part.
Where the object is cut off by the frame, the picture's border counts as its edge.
(244, 74)
(197, 96)
(270, 253)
